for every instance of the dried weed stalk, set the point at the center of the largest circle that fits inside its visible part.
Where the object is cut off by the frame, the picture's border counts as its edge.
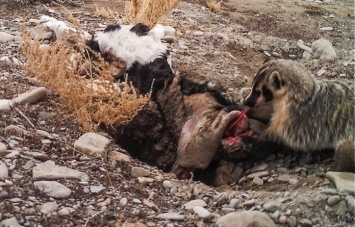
(105, 13)
(92, 100)
(214, 5)
(148, 12)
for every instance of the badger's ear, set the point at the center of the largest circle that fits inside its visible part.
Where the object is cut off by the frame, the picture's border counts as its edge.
(276, 80)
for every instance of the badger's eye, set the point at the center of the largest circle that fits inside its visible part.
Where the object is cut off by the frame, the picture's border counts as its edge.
(257, 93)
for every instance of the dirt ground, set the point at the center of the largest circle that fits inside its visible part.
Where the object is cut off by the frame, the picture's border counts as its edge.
(287, 20)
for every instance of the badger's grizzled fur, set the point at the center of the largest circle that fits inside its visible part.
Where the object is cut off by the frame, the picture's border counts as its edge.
(309, 114)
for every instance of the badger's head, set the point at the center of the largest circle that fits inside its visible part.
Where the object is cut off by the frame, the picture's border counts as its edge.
(278, 80)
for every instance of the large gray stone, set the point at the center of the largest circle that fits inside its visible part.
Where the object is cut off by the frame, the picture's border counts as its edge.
(53, 189)
(92, 144)
(50, 171)
(345, 182)
(245, 219)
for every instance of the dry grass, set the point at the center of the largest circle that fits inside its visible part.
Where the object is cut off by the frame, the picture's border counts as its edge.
(91, 102)
(148, 12)
(105, 13)
(214, 5)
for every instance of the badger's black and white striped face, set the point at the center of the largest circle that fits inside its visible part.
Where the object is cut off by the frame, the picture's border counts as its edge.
(268, 85)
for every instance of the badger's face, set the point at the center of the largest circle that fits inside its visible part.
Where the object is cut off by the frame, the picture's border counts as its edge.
(268, 86)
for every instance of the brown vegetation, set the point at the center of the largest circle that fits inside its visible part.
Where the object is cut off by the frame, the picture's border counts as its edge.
(214, 5)
(148, 12)
(93, 99)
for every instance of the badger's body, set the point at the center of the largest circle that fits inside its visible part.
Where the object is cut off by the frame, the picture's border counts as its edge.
(308, 114)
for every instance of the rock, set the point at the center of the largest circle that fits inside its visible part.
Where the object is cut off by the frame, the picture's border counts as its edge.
(31, 97)
(97, 189)
(6, 37)
(330, 191)
(202, 212)
(4, 195)
(197, 33)
(249, 202)
(44, 134)
(4, 171)
(258, 174)
(291, 221)
(150, 204)
(123, 202)
(28, 165)
(286, 178)
(168, 184)
(144, 180)
(283, 219)
(139, 172)
(259, 168)
(65, 211)
(275, 216)
(169, 31)
(168, 39)
(34, 21)
(340, 208)
(92, 144)
(11, 222)
(301, 45)
(3, 148)
(41, 32)
(350, 201)
(15, 131)
(320, 72)
(6, 105)
(53, 189)
(118, 156)
(271, 206)
(326, 29)
(45, 115)
(227, 210)
(50, 171)
(40, 156)
(282, 170)
(258, 181)
(49, 207)
(245, 219)
(344, 181)
(323, 49)
(171, 216)
(333, 200)
(198, 202)
(305, 222)
(233, 203)
(293, 181)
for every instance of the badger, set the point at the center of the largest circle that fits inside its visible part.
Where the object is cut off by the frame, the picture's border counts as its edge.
(308, 114)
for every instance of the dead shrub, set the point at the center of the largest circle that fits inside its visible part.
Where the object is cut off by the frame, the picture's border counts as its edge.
(105, 12)
(148, 12)
(214, 5)
(92, 100)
